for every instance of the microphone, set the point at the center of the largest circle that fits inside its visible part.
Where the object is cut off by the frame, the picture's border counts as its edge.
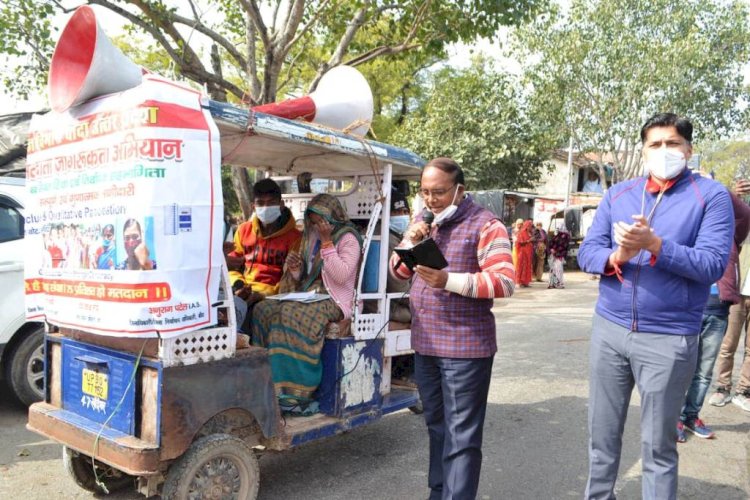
(428, 217)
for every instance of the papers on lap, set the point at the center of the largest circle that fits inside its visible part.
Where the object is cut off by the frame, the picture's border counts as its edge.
(300, 296)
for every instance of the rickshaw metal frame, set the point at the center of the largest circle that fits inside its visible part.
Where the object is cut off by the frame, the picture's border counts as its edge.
(321, 151)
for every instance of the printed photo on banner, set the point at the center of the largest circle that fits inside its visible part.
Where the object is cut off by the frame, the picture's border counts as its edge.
(125, 244)
(76, 246)
(137, 243)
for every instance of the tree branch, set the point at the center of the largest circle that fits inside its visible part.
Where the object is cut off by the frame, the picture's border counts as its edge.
(193, 9)
(291, 23)
(275, 15)
(290, 67)
(354, 24)
(198, 26)
(188, 56)
(252, 64)
(201, 75)
(63, 9)
(40, 56)
(149, 28)
(217, 93)
(379, 51)
(195, 71)
(306, 27)
(395, 49)
(253, 11)
(280, 26)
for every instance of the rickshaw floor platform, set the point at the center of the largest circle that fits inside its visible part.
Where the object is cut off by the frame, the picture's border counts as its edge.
(304, 429)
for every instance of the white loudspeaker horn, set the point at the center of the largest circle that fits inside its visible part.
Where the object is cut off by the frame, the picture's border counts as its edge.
(86, 64)
(343, 100)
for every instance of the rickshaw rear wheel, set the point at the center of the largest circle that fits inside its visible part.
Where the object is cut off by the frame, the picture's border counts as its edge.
(80, 469)
(214, 467)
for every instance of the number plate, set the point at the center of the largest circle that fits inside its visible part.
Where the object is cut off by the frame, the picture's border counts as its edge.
(94, 383)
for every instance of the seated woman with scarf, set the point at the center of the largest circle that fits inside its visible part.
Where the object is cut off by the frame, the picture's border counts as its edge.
(294, 332)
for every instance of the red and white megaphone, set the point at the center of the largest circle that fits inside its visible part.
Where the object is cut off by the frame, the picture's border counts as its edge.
(86, 64)
(343, 100)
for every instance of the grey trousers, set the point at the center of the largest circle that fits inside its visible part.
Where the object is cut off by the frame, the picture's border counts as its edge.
(662, 367)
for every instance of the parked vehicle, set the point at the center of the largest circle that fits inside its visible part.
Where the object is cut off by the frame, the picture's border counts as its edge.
(506, 205)
(21, 341)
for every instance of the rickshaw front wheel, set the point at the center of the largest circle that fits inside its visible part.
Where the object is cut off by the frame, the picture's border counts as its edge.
(82, 471)
(214, 467)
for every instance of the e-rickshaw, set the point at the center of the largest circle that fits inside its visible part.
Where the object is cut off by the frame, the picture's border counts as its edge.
(187, 416)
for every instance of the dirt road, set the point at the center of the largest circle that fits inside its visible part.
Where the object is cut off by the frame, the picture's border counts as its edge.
(535, 436)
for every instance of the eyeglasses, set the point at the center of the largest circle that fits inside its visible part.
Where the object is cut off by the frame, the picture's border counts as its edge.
(435, 193)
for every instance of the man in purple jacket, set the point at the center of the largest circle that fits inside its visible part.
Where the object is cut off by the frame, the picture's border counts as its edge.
(453, 330)
(660, 242)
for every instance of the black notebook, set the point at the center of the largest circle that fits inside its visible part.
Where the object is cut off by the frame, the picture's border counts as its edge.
(425, 253)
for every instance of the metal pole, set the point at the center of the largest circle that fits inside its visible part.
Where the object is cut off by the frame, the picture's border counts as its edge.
(570, 172)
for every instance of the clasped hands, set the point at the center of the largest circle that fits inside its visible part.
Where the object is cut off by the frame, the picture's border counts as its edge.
(632, 238)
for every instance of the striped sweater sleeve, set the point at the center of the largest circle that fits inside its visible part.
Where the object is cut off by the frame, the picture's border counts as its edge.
(497, 276)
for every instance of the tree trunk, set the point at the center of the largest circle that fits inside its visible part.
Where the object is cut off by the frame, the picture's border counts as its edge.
(241, 184)
(216, 92)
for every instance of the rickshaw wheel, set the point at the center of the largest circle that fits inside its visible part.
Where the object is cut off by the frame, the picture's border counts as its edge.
(80, 469)
(214, 467)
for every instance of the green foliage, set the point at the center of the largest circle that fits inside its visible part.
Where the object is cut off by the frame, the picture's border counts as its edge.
(145, 53)
(601, 69)
(479, 117)
(729, 160)
(26, 41)
(385, 30)
(396, 84)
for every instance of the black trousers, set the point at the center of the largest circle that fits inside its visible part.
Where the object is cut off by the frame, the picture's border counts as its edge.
(454, 396)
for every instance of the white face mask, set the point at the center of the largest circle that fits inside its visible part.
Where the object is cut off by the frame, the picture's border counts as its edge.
(448, 211)
(665, 163)
(268, 214)
(399, 223)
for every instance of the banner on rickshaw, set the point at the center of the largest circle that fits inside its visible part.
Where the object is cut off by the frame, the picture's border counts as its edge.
(124, 217)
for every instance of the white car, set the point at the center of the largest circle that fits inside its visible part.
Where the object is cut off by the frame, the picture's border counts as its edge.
(21, 341)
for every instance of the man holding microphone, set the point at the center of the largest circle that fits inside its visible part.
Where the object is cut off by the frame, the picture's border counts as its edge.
(453, 328)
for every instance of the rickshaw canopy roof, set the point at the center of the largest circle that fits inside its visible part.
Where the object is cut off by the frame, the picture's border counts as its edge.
(291, 147)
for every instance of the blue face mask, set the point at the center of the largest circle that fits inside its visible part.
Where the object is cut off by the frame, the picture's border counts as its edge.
(399, 223)
(106, 242)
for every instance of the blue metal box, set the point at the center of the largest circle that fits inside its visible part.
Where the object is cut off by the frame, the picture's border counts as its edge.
(352, 373)
(95, 380)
